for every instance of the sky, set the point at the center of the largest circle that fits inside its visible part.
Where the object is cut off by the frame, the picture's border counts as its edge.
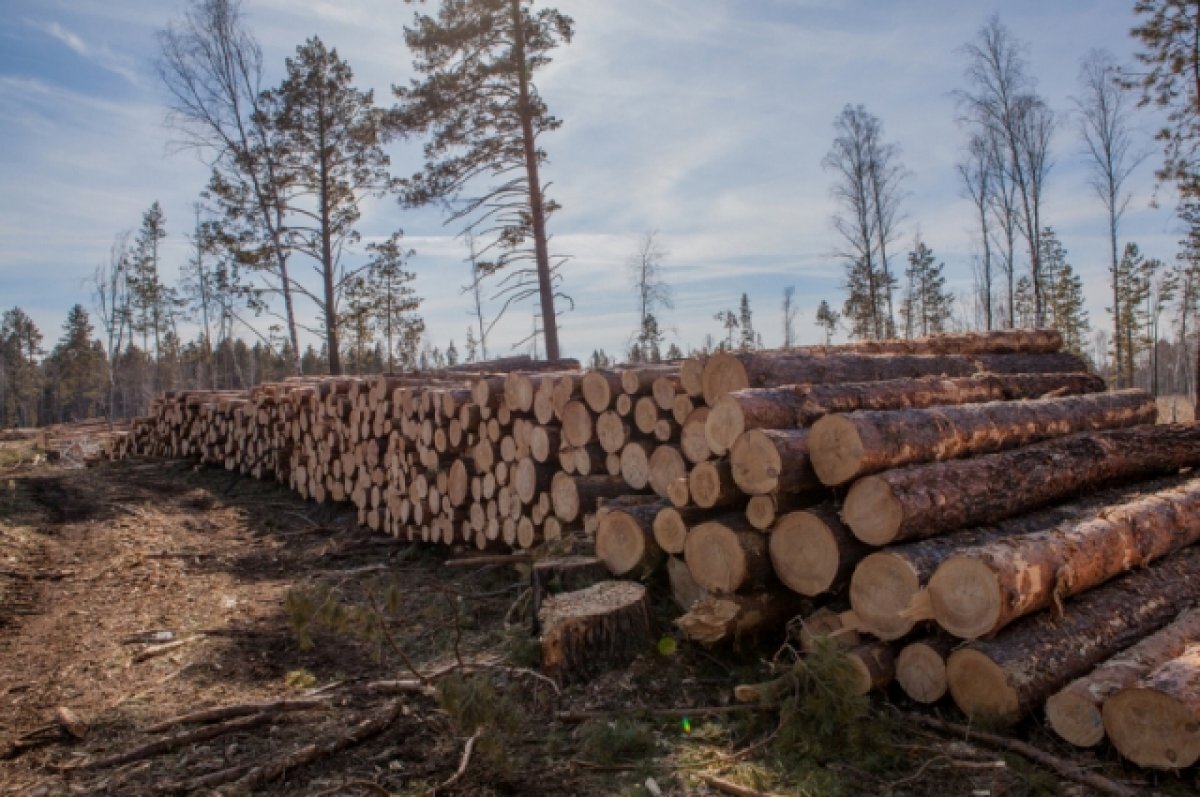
(703, 120)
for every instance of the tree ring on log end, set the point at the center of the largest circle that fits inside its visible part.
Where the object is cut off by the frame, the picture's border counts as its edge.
(881, 588)
(921, 673)
(1152, 729)
(724, 425)
(965, 595)
(723, 374)
(804, 553)
(1075, 718)
(872, 511)
(714, 558)
(980, 687)
(620, 543)
(835, 450)
(755, 463)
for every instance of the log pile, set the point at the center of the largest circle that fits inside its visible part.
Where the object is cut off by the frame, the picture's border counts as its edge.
(967, 514)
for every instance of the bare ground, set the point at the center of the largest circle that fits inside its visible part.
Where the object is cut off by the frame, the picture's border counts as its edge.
(135, 592)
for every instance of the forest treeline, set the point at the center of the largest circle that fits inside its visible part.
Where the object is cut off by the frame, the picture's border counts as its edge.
(276, 256)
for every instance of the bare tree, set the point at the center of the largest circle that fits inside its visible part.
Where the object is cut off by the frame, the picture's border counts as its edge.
(645, 270)
(1104, 125)
(789, 316)
(976, 172)
(1002, 103)
(110, 291)
(885, 173)
(212, 67)
(475, 288)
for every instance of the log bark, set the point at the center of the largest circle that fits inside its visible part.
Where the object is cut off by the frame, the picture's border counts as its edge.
(595, 629)
(726, 555)
(927, 500)
(625, 539)
(813, 552)
(839, 628)
(921, 668)
(1157, 722)
(1005, 678)
(845, 447)
(1075, 712)
(773, 461)
(982, 588)
(996, 341)
(796, 406)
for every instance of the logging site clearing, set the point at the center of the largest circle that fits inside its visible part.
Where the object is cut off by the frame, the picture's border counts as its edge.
(134, 592)
(956, 564)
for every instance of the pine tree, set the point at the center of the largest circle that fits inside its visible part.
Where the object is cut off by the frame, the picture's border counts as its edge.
(827, 319)
(486, 117)
(927, 304)
(451, 355)
(674, 352)
(789, 317)
(391, 301)
(645, 270)
(746, 324)
(472, 346)
(729, 321)
(1133, 290)
(20, 348)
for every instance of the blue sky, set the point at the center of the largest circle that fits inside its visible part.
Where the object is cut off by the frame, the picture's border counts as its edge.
(703, 119)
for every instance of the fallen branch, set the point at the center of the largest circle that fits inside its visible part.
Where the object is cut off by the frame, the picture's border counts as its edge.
(177, 741)
(158, 650)
(729, 787)
(462, 766)
(238, 710)
(1061, 766)
(698, 711)
(496, 559)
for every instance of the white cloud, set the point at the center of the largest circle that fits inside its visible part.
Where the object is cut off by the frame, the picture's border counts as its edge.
(100, 54)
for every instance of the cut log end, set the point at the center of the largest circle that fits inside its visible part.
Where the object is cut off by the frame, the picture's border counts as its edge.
(715, 558)
(670, 531)
(621, 543)
(882, 588)
(1075, 718)
(755, 462)
(594, 629)
(723, 374)
(872, 511)
(804, 553)
(725, 423)
(966, 597)
(921, 672)
(1152, 729)
(981, 688)
(836, 450)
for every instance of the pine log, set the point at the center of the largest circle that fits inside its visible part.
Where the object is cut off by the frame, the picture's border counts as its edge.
(995, 341)
(711, 484)
(921, 668)
(666, 465)
(544, 443)
(1156, 723)
(679, 494)
(983, 588)
(840, 628)
(684, 588)
(796, 406)
(599, 388)
(691, 375)
(692, 437)
(574, 496)
(714, 619)
(530, 478)
(726, 555)
(844, 447)
(577, 424)
(927, 500)
(874, 666)
(635, 463)
(813, 552)
(763, 510)
(595, 629)
(1007, 677)
(1075, 711)
(625, 539)
(773, 461)
(682, 407)
(671, 526)
(611, 432)
(640, 381)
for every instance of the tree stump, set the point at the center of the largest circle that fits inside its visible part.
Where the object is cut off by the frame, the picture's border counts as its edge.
(595, 629)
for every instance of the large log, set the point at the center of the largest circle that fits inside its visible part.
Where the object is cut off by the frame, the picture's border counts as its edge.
(795, 406)
(1157, 722)
(1075, 711)
(1005, 678)
(844, 447)
(812, 551)
(726, 555)
(995, 341)
(574, 496)
(671, 527)
(666, 465)
(773, 461)
(711, 484)
(726, 372)
(595, 629)
(927, 500)
(983, 588)
(921, 668)
(625, 538)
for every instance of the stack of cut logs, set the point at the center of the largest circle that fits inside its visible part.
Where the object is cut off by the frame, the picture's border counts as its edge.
(979, 487)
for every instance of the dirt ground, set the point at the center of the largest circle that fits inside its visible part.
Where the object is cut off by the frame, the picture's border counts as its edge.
(133, 593)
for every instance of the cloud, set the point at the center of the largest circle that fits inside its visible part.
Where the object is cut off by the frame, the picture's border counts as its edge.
(101, 54)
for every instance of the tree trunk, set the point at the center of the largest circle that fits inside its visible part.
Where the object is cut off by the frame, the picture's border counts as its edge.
(1075, 711)
(1007, 677)
(921, 668)
(983, 588)
(599, 628)
(845, 447)
(537, 213)
(726, 555)
(1157, 722)
(927, 500)
(812, 551)
(773, 461)
(795, 406)
(625, 539)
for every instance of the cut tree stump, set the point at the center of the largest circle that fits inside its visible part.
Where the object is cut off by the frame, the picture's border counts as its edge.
(927, 500)
(1005, 678)
(1075, 711)
(595, 629)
